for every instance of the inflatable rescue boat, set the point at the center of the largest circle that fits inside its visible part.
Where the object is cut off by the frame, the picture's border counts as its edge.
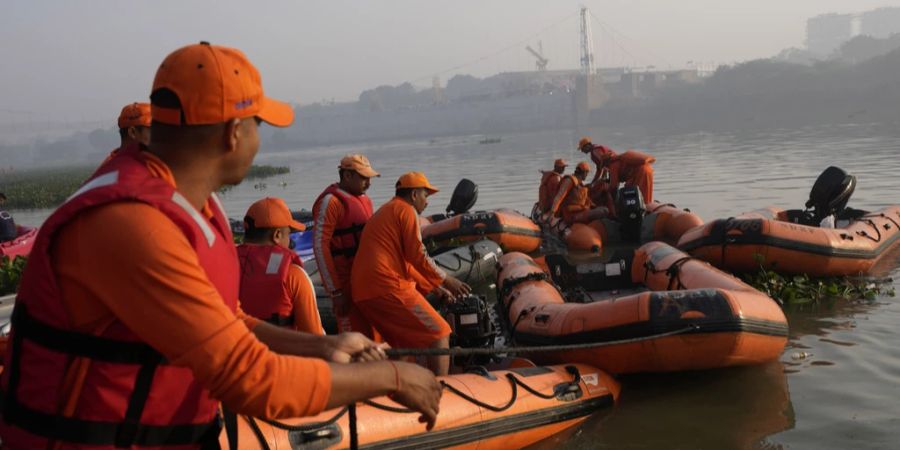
(21, 244)
(851, 241)
(682, 314)
(508, 228)
(489, 410)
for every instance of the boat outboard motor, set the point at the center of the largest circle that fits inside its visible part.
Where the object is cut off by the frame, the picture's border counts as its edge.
(830, 194)
(470, 321)
(464, 197)
(630, 211)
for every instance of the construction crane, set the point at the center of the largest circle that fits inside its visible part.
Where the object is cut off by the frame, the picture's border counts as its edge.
(541, 62)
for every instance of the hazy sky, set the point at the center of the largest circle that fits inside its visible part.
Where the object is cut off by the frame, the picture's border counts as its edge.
(83, 60)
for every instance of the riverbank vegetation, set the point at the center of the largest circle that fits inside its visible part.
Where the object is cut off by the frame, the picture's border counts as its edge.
(47, 188)
(10, 273)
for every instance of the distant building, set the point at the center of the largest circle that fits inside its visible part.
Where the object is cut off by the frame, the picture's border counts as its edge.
(880, 23)
(825, 33)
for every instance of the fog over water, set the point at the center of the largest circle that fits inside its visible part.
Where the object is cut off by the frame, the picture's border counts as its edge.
(76, 63)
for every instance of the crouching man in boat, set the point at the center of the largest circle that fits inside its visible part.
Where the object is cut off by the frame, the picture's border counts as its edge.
(274, 286)
(550, 180)
(392, 268)
(573, 201)
(8, 230)
(340, 213)
(633, 168)
(127, 329)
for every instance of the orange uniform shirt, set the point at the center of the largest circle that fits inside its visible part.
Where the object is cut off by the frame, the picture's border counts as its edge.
(306, 313)
(129, 262)
(391, 252)
(335, 276)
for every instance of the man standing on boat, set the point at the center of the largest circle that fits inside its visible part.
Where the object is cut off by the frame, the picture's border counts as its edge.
(631, 167)
(340, 213)
(573, 201)
(550, 185)
(392, 268)
(127, 329)
(274, 286)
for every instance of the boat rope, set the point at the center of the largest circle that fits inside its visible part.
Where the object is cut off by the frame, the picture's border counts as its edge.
(673, 271)
(513, 382)
(354, 434)
(510, 283)
(459, 351)
(866, 235)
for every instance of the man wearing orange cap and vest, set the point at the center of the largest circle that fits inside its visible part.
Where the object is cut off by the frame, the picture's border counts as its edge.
(631, 167)
(127, 330)
(134, 126)
(573, 201)
(550, 184)
(274, 286)
(340, 213)
(389, 265)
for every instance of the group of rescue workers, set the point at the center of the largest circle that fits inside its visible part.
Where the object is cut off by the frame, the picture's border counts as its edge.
(570, 199)
(138, 320)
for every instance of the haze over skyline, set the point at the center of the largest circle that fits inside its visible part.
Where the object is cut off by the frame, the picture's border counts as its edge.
(81, 61)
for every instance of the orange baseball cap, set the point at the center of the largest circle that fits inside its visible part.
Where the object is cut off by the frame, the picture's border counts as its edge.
(413, 180)
(583, 167)
(560, 163)
(135, 115)
(359, 164)
(215, 84)
(583, 141)
(272, 212)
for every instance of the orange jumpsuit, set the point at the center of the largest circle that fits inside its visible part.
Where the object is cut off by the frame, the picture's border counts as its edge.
(128, 261)
(573, 202)
(631, 167)
(389, 273)
(549, 186)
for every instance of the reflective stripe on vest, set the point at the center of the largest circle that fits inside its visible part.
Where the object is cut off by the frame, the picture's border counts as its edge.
(357, 211)
(264, 291)
(139, 388)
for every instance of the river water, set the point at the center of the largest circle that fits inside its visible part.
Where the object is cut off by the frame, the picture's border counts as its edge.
(836, 386)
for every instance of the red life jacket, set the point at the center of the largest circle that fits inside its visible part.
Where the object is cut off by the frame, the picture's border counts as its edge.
(264, 292)
(549, 186)
(130, 395)
(357, 211)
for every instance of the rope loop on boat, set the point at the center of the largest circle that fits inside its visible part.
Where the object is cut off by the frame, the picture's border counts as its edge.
(866, 235)
(673, 271)
(511, 283)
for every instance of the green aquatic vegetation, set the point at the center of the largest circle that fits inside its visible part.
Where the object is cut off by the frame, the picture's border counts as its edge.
(42, 188)
(801, 290)
(266, 171)
(48, 188)
(11, 273)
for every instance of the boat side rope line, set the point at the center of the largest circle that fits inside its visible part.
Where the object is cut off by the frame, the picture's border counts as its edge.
(866, 235)
(459, 351)
(673, 271)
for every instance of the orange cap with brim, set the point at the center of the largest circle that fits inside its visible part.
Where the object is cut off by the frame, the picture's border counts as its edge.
(272, 212)
(583, 167)
(412, 180)
(560, 163)
(135, 115)
(585, 140)
(359, 164)
(215, 84)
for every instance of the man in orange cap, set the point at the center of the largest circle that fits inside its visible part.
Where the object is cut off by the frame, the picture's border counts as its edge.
(573, 202)
(134, 126)
(274, 286)
(127, 331)
(550, 184)
(340, 213)
(389, 264)
(631, 167)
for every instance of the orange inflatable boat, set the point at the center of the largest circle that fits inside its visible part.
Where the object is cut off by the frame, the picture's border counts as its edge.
(490, 410)
(689, 316)
(766, 237)
(511, 230)
(659, 222)
(21, 244)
